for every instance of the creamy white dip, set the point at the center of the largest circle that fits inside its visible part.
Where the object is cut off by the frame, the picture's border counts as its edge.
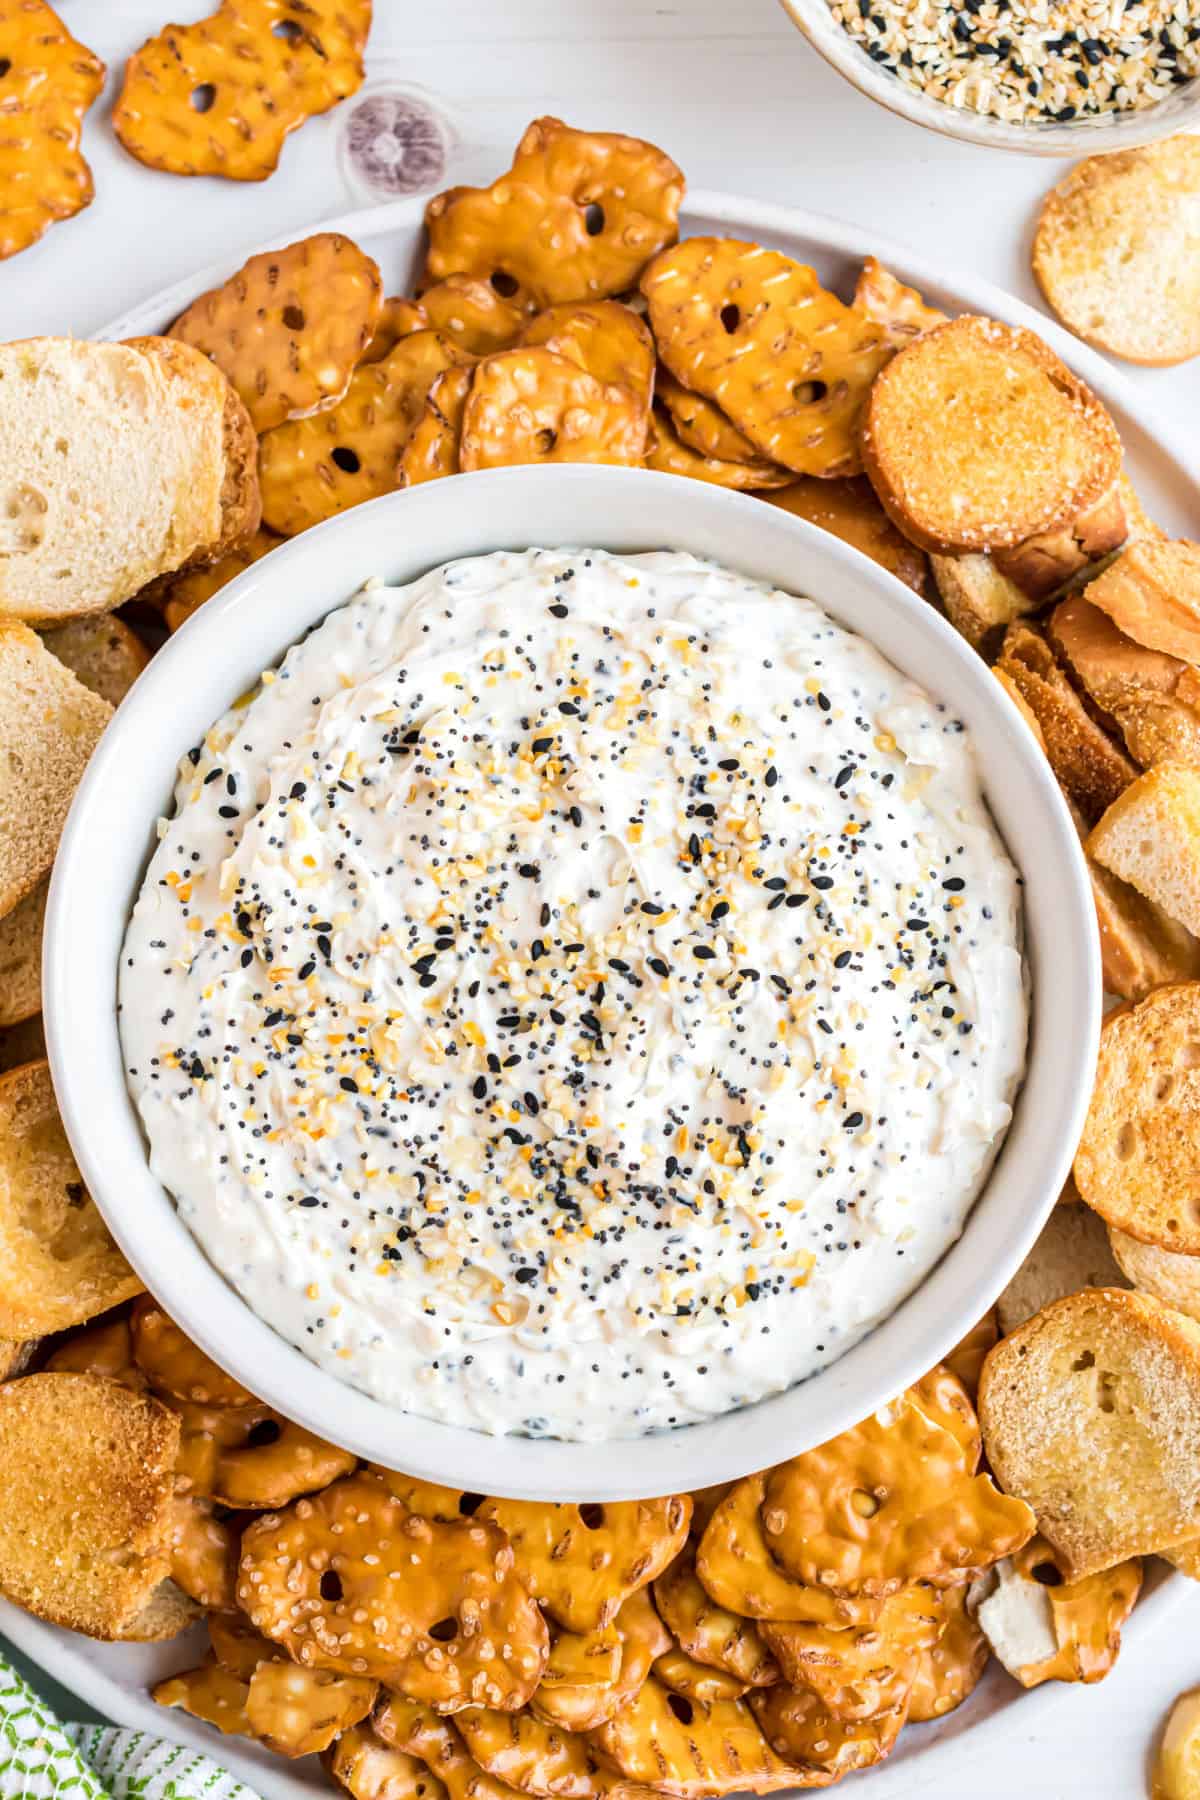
(576, 994)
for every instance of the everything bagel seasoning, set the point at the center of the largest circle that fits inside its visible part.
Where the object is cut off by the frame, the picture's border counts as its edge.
(576, 994)
(1027, 61)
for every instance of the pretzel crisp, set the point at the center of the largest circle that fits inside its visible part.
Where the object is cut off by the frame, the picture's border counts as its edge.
(714, 1636)
(1088, 1614)
(531, 1756)
(967, 1357)
(472, 314)
(942, 1397)
(902, 312)
(312, 468)
(583, 1562)
(736, 1567)
(182, 595)
(583, 1658)
(220, 97)
(857, 1674)
(534, 406)
(250, 1458)
(701, 426)
(413, 1727)
(50, 80)
(820, 1748)
(176, 1368)
(666, 452)
(105, 1349)
(288, 330)
(603, 337)
(888, 1502)
(398, 318)
(695, 1680)
(577, 217)
(948, 1671)
(209, 1692)
(582, 1706)
(848, 509)
(368, 1769)
(204, 1554)
(757, 334)
(432, 450)
(690, 1750)
(238, 1647)
(297, 1712)
(352, 1581)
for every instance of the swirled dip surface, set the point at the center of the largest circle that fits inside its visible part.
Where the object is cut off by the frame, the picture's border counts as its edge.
(576, 994)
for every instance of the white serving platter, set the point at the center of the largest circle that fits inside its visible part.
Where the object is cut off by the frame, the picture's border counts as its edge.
(115, 1678)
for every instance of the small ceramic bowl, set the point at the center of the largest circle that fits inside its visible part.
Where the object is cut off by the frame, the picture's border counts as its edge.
(1180, 111)
(247, 627)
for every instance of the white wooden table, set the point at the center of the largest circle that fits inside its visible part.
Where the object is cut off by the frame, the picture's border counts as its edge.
(731, 90)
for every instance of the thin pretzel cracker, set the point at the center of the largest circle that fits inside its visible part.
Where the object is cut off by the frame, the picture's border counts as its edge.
(250, 1458)
(531, 1756)
(352, 1581)
(666, 452)
(848, 509)
(858, 1674)
(182, 595)
(238, 1647)
(603, 337)
(290, 327)
(298, 1712)
(942, 1397)
(534, 406)
(49, 82)
(758, 335)
(582, 1706)
(888, 1502)
(219, 97)
(583, 1562)
(175, 1367)
(710, 1633)
(903, 313)
(700, 424)
(204, 1554)
(413, 1727)
(211, 1693)
(948, 1671)
(818, 1746)
(432, 450)
(578, 217)
(368, 1769)
(967, 1357)
(682, 1674)
(312, 468)
(472, 314)
(736, 1567)
(690, 1750)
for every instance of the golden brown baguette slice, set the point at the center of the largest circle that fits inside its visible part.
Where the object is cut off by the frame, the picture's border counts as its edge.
(21, 957)
(1150, 837)
(1072, 1253)
(976, 437)
(85, 1504)
(1155, 699)
(1167, 1275)
(1152, 592)
(1091, 1414)
(979, 601)
(104, 653)
(49, 726)
(1136, 1162)
(1140, 947)
(1090, 766)
(58, 1265)
(121, 462)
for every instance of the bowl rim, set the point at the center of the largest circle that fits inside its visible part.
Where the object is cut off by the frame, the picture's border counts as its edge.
(153, 728)
(1081, 137)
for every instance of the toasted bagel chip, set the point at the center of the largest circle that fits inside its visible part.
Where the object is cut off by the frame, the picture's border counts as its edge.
(21, 957)
(583, 1562)
(1167, 1275)
(58, 1265)
(1090, 765)
(1152, 592)
(1045, 564)
(1091, 1412)
(85, 1505)
(318, 1579)
(1149, 838)
(976, 437)
(903, 312)
(1071, 1253)
(50, 81)
(738, 1570)
(887, 1503)
(432, 450)
(315, 467)
(289, 329)
(758, 335)
(535, 406)
(219, 97)
(848, 509)
(949, 1670)
(577, 217)
(104, 653)
(470, 313)
(1155, 699)
(666, 452)
(1117, 251)
(708, 1632)
(687, 1749)
(818, 1747)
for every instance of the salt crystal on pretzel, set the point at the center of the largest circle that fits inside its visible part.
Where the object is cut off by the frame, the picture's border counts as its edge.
(582, 1706)
(50, 80)
(583, 1562)
(666, 452)
(472, 314)
(576, 218)
(288, 330)
(352, 1581)
(948, 1671)
(713, 1635)
(534, 406)
(685, 1748)
(311, 468)
(819, 1747)
(219, 97)
(757, 334)
(885, 1503)
(432, 450)
(737, 1569)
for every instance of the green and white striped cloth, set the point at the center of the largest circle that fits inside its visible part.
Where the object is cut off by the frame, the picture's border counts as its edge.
(41, 1758)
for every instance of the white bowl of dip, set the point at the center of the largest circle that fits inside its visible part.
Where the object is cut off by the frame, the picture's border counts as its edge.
(113, 830)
